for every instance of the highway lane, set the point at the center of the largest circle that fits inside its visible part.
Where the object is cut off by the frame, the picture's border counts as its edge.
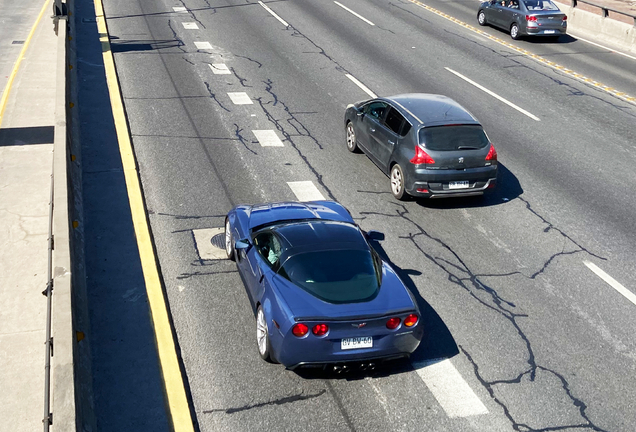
(540, 340)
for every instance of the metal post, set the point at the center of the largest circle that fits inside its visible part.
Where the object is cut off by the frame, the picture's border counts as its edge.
(48, 416)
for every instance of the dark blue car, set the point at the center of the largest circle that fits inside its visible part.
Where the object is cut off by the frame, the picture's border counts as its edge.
(322, 296)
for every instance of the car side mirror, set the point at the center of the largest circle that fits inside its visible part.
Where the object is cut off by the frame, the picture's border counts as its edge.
(242, 244)
(360, 113)
(375, 235)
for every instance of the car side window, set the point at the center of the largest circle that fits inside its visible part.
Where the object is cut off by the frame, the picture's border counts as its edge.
(394, 120)
(269, 247)
(375, 110)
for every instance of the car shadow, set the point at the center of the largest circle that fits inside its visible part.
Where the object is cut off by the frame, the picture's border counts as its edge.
(508, 188)
(437, 343)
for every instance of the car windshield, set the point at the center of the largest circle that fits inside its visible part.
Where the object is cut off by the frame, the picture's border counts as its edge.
(540, 5)
(335, 276)
(453, 137)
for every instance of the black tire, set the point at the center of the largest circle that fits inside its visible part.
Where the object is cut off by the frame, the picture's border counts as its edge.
(262, 336)
(229, 241)
(352, 145)
(514, 31)
(397, 183)
(481, 18)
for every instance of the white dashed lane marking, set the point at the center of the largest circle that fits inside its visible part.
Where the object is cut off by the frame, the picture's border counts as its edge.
(273, 14)
(611, 282)
(190, 26)
(240, 98)
(354, 13)
(203, 45)
(267, 138)
(203, 240)
(306, 191)
(449, 388)
(362, 86)
(180, 9)
(220, 69)
(493, 94)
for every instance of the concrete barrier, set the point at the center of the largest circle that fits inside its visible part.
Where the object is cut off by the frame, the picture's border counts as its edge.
(71, 379)
(596, 27)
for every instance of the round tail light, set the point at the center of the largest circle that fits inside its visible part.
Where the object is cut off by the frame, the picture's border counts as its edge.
(300, 330)
(411, 320)
(320, 329)
(393, 323)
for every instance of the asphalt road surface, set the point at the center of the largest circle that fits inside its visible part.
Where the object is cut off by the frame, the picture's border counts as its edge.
(522, 332)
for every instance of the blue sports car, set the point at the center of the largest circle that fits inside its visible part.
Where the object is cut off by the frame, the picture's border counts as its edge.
(322, 296)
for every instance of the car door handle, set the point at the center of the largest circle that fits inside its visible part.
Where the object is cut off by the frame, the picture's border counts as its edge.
(391, 142)
(261, 279)
(371, 129)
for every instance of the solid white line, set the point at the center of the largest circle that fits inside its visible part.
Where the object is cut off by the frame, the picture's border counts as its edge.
(273, 13)
(362, 86)
(268, 138)
(493, 94)
(203, 45)
(604, 47)
(306, 191)
(220, 69)
(611, 281)
(449, 388)
(240, 98)
(190, 26)
(354, 13)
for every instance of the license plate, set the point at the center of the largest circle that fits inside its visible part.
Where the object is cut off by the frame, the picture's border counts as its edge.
(356, 342)
(458, 184)
(549, 31)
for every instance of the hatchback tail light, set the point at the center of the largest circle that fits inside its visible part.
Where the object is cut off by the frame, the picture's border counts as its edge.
(421, 157)
(565, 17)
(531, 18)
(320, 329)
(411, 320)
(492, 154)
(300, 330)
(393, 323)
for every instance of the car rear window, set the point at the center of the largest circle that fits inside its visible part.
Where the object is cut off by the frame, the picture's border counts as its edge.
(540, 5)
(453, 137)
(335, 276)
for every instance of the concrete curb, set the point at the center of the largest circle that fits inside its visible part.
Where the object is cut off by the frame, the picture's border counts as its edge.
(593, 26)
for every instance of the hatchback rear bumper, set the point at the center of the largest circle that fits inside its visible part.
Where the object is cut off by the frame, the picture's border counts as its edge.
(428, 183)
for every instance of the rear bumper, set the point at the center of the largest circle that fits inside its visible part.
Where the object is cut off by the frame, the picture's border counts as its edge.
(546, 31)
(296, 352)
(435, 183)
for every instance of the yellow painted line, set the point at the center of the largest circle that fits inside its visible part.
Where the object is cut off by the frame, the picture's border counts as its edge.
(562, 69)
(177, 400)
(7, 88)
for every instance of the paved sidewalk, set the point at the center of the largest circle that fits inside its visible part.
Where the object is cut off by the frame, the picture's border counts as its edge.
(26, 145)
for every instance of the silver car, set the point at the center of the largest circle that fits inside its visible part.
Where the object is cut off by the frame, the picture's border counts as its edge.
(524, 17)
(428, 145)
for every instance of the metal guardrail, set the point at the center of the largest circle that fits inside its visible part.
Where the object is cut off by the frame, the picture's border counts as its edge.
(605, 10)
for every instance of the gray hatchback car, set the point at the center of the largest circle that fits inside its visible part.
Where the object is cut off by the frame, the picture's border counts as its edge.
(428, 145)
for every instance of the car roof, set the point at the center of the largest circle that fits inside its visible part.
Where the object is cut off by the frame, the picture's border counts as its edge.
(432, 109)
(314, 235)
(263, 215)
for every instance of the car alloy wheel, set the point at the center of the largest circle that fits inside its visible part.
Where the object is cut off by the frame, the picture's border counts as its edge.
(514, 31)
(352, 146)
(481, 18)
(397, 182)
(229, 246)
(262, 335)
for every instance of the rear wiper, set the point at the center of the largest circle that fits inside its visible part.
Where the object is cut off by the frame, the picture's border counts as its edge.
(467, 148)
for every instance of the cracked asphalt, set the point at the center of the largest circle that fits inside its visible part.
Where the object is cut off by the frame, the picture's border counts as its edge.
(543, 342)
